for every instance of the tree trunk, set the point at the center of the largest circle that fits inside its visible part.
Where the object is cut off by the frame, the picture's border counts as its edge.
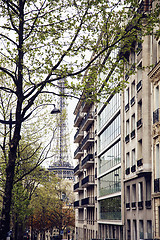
(5, 220)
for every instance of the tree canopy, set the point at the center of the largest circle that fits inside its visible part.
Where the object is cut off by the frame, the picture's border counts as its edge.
(45, 41)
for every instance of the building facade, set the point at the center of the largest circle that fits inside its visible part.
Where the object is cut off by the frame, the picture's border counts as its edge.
(109, 170)
(154, 77)
(85, 172)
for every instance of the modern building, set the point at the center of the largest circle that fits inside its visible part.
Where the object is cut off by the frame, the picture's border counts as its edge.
(109, 169)
(85, 171)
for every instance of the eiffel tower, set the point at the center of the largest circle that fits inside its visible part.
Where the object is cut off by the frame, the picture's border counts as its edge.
(61, 164)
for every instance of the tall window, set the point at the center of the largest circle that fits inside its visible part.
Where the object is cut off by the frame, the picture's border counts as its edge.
(127, 160)
(141, 230)
(139, 153)
(149, 229)
(132, 89)
(133, 194)
(128, 229)
(157, 171)
(134, 230)
(156, 97)
(139, 110)
(139, 72)
(127, 96)
(140, 192)
(128, 194)
(127, 127)
(133, 157)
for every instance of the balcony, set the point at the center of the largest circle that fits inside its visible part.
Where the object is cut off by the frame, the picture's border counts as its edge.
(157, 185)
(87, 161)
(139, 85)
(127, 138)
(132, 102)
(88, 119)
(156, 116)
(140, 205)
(78, 136)
(127, 107)
(133, 168)
(133, 204)
(139, 123)
(140, 162)
(77, 187)
(87, 141)
(78, 119)
(133, 133)
(76, 204)
(89, 202)
(85, 106)
(128, 205)
(127, 171)
(78, 153)
(77, 169)
(88, 181)
(148, 204)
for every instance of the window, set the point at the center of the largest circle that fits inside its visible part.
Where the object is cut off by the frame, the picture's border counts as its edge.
(141, 230)
(127, 99)
(139, 72)
(139, 113)
(127, 160)
(134, 230)
(148, 193)
(156, 97)
(128, 196)
(149, 229)
(134, 195)
(157, 172)
(128, 229)
(140, 194)
(139, 149)
(133, 89)
(133, 157)
(127, 127)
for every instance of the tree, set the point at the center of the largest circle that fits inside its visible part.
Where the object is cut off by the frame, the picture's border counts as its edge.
(45, 41)
(50, 207)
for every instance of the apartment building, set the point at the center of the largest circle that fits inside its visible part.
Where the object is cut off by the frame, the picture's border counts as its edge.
(85, 172)
(109, 169)
(137, 145)
(154, 77)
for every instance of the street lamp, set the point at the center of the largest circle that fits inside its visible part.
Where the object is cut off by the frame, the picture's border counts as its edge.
(55, 110)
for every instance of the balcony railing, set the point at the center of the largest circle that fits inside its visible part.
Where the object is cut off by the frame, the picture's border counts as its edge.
(76, 203)
(76, 186)
(89, 180)
(140, 162)
(133, 204)
(87, 160)
(139, 85)
(133, 133)
(88, 119)
(132, 101)
(148, 204)
(78, 152)
(139, 123)
(156, 116)
(127, 171)
(127, 107)
(133, 168)
(87, 201)
(78, 136)
(127, 138)
(157, 185)
(78, 119)
(140, 204)
(76, 168)
(128, 205)
(87, 140)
